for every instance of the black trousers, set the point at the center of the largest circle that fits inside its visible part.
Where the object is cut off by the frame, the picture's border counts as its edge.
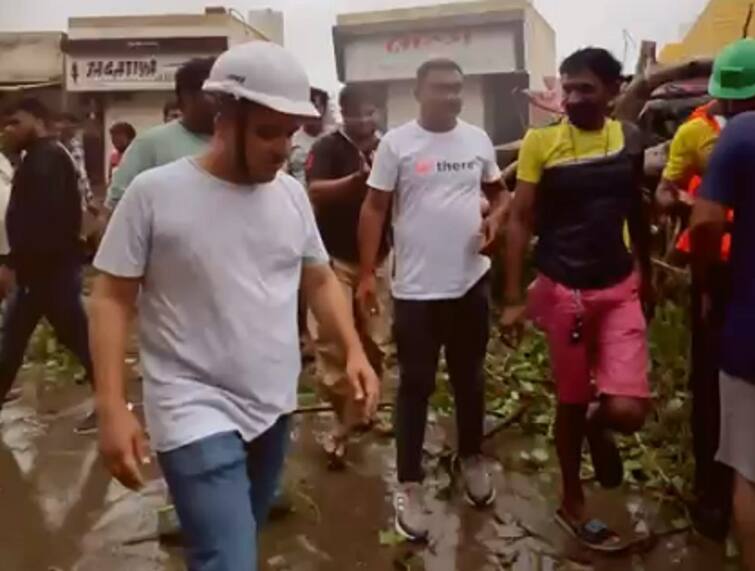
(57, 297)
(422, 328)
(713, 481)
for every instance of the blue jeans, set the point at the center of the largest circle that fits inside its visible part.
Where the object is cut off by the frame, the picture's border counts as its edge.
(222, 488)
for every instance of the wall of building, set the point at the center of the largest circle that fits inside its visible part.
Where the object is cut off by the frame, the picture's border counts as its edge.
(401, 106)
(477, 49)
(172, 26)
(142, 109)
(539, 48)
(30, 57)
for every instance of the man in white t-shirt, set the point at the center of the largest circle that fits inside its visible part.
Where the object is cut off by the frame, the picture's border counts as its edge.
(305, 138)
(217, 311)
(432, 170)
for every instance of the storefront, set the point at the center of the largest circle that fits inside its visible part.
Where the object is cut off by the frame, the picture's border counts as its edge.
(504, 48)
(32, 64)
(123, 68)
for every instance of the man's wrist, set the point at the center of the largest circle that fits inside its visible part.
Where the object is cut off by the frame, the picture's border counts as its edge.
(108, 402)
(513, 300)
(366, 273)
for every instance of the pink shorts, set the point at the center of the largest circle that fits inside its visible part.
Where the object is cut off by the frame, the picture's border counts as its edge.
(611, 355)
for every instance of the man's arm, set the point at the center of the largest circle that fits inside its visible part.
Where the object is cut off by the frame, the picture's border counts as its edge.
(678, 169)
(518, 236)
(382, 184)
(322, 186)
(721, 185)
(375, 210)
(630, 103)
(122, 441)
(51, 188)
(323, 191)
(499, 200)
(325, 298)
(707, 228)
(641, 236)
(122, 261)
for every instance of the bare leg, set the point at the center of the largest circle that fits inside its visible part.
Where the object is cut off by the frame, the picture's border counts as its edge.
(744, 519)
(571, 424)
(625, 415)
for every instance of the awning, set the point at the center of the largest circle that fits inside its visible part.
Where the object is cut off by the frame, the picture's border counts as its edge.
(14, 87)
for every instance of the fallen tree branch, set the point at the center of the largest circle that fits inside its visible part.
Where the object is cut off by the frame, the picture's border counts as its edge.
(503, 425)
(322, 408)
(669, 268)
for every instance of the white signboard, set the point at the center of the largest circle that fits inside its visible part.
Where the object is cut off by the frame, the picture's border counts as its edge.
(478, 50)
(118, 73)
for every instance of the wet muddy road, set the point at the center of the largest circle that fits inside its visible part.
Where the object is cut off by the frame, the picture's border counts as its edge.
(60, 511)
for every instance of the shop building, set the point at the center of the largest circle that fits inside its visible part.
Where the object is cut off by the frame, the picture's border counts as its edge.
(505, 47)
(32, 64)
(123, 68)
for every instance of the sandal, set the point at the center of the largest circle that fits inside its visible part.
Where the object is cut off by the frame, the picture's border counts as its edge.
(593, 534)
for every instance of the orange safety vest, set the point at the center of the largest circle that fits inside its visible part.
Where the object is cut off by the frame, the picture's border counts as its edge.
(693, 188)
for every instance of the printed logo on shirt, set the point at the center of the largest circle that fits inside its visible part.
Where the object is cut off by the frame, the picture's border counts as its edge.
(426, 166)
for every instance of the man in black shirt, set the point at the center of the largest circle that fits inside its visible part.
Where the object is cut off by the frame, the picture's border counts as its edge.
(44, 224)
(337, 170)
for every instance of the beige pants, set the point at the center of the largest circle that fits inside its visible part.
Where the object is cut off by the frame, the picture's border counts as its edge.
(374, 331)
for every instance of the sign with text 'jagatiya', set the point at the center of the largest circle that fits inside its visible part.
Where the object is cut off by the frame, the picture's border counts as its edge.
(106, 73)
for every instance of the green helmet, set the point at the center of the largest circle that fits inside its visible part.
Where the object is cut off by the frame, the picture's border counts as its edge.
(734, 72)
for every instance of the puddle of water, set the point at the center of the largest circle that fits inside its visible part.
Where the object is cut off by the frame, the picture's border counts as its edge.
(63, 512)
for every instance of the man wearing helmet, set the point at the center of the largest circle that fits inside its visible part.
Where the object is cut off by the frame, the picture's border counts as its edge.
(688, 161)
(217, 311)
(729, 183)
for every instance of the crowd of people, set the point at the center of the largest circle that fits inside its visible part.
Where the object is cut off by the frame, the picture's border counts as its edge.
(357, 239)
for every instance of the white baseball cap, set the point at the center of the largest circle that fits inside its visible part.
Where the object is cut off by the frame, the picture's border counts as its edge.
(264, 73)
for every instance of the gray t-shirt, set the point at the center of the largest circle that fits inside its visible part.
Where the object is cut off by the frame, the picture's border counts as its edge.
(437, 218)
(153, 148)
(220, 266)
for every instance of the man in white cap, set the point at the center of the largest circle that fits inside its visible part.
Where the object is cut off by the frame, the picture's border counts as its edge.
(217, 311)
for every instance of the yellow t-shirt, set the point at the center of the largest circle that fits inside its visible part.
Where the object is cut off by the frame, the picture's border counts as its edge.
(690, 151)
(564, 143)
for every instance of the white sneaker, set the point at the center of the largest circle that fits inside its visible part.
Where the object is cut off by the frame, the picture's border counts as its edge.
(478, 485)
(411, 512)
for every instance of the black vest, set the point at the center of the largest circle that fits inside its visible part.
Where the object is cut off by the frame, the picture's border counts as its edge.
(581, 210)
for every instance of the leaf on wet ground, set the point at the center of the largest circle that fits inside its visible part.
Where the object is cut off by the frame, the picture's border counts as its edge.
(679, 523)
(390, 538)
(732, 549)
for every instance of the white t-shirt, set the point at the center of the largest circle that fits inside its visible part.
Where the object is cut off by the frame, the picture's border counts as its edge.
(301, 145)
(6, 183)
(437, 179)
(221, 266)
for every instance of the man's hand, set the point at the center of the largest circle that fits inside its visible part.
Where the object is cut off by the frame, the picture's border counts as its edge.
(512, 324)
(367, 299)
(491, 227)
(364, 383)
(123, 445)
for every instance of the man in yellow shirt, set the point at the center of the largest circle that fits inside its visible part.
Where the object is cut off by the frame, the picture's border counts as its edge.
(578, 186)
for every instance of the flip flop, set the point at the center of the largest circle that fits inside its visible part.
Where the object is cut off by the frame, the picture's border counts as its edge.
(593, 534)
